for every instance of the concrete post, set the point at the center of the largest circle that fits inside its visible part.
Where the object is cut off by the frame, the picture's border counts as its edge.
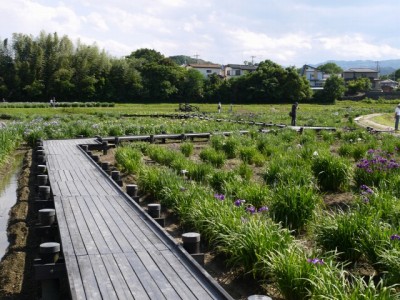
(44, 192)
(49, 253)
(259, 297)
(105, 147)
(47, 216)
(154, 210)
(42, 179)
(105, 166)
(191, 242)
(132, 190)
(41, 169)
(96, 158)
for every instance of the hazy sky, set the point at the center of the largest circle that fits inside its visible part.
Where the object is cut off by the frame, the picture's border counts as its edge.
(289, 32)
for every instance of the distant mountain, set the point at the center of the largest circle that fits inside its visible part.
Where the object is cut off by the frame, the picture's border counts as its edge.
(183, 59)
(386, 67)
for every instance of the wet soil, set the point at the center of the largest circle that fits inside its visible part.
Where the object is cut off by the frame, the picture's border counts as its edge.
(16, 268)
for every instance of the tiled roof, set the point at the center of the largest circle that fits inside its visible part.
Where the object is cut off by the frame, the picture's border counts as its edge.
(242, 67)
(206, 66)
(360, 70)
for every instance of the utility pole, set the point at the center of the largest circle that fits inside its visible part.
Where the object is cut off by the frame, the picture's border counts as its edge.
(252, 60)
(197, 58)
(378, 68)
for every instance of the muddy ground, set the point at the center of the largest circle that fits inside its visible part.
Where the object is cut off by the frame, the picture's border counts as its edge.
(16, 268)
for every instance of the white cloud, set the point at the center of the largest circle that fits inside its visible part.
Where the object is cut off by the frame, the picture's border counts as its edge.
(97, 21)
(224, 31)
(282, 48)
(357, 47)
(29, 17)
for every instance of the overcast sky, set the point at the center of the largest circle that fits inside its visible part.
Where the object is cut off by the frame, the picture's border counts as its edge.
(289, 32)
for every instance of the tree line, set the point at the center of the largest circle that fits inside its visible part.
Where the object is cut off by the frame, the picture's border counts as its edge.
(40, 68)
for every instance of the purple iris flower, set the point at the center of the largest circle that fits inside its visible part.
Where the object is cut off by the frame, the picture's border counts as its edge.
(315, 261)
(219, 196)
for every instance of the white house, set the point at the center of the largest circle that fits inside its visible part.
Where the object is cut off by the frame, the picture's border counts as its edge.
(232, 70)
(315, 77)
(207, 69)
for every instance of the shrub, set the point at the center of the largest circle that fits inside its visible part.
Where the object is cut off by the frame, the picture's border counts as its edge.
(129, 159)
(187, 149)
(245, 171)
(219, 179)
(200, 172)
(293, 206)
(332, 173)
(376, 169)
(340, 232)
(293, 271)
(290, 170)
(253, 193)
(248, 154)
(217, 159)
(217, 142)
(230, 147)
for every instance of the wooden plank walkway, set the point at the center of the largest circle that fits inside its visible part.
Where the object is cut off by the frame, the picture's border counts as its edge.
(112, 249)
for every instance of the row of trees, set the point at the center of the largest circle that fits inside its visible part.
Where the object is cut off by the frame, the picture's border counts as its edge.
(37, 69)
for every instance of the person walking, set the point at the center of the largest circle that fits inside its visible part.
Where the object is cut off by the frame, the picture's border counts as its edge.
(397, 117)
(293, 113)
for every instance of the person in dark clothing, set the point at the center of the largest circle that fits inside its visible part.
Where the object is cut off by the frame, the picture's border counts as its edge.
(294, 111)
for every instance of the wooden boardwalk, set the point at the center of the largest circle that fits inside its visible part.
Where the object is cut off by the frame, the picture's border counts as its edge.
(112, 249)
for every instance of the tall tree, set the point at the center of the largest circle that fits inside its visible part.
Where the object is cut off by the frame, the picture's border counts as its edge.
(334, 89)
(7, 70)
(331, 68)
(161, 77)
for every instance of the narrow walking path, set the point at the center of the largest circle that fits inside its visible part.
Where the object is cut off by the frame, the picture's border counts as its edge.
(112, 248)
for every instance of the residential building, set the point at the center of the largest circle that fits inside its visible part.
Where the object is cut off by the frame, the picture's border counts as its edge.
(315, 77)
(389, 85)
(232, 70)
(355, 73)
(207, 69)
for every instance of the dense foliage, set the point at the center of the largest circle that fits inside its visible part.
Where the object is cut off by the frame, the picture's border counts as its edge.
(40, 68)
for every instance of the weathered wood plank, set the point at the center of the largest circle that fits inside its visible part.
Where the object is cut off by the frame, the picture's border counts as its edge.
(76, 238)
(186, 276)
(66, 241)
(174, 277)
(145, 278)
(118, 281)
(106, 228)
(134, 225)
(90, 281)
(131, 277)
(105, 285)
(75, 278)
(83, 222)
(157, 275)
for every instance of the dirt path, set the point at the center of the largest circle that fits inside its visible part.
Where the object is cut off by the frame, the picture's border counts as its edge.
(366, 121)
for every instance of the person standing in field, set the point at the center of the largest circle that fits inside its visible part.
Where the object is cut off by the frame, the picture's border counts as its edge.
(397, 117)
(219, 107)
(293, 113)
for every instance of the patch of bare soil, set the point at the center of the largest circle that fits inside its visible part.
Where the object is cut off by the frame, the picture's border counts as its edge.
(16, 268)
(337, 201)
(366, 121)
